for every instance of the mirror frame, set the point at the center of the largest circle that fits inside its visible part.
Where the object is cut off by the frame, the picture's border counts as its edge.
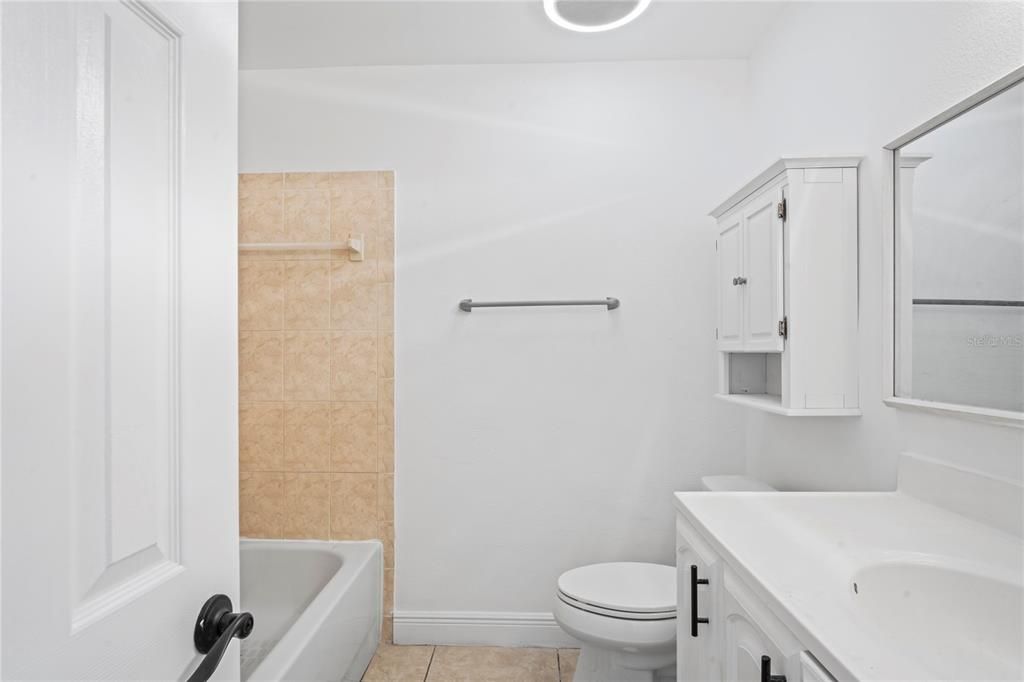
(891, 284)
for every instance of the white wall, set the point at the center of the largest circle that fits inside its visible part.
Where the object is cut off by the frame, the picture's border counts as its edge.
(849, 78)
(533, 441)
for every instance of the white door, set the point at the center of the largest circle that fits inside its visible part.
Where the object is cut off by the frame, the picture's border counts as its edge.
(119, 428)
(730, 265)
(762, 273)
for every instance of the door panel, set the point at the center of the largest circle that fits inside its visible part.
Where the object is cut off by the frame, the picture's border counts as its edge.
(730, 329)
(118, 291)
(124, 316)
(762, 256)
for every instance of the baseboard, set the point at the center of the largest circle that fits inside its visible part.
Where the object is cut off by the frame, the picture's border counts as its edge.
(480, 628)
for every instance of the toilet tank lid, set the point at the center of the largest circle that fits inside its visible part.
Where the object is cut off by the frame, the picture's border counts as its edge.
(734, 484)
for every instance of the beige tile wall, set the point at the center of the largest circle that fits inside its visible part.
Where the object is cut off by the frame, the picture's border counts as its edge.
(316, 361)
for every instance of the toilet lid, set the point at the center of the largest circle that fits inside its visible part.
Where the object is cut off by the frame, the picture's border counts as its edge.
(630, 587)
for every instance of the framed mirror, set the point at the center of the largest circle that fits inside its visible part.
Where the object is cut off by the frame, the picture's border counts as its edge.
(958, 256)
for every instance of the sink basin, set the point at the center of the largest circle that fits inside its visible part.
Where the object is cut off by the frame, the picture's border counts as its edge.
(956, 623)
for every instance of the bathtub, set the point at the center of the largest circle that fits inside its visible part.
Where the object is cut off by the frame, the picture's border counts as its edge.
(317, 607)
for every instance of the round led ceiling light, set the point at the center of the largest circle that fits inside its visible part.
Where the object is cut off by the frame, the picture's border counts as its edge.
(594, 16)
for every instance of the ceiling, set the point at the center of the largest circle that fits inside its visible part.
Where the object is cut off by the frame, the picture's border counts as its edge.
(285, 34)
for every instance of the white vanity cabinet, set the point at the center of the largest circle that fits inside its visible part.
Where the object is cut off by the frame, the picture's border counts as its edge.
(787, 289)
(740, 630)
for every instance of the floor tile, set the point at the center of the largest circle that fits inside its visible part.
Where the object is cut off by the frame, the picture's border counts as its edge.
(567, 663)
(399, 664)
(493, 664)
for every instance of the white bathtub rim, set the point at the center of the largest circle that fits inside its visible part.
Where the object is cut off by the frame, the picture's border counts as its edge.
(287, 649)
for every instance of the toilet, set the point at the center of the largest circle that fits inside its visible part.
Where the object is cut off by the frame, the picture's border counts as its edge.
(624, 613)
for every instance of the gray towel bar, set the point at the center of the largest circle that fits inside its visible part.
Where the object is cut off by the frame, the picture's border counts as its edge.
(969, 301)
(467, 304)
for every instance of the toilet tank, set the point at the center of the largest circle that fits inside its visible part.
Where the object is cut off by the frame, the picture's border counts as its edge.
(734, 484)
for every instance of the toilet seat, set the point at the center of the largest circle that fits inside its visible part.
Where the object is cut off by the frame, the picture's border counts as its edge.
(612, 613)
(625, 590)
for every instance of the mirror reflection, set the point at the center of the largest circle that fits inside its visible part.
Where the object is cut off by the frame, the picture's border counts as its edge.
(960, 259)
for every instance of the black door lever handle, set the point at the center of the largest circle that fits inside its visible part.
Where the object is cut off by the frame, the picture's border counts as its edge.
(216, 626)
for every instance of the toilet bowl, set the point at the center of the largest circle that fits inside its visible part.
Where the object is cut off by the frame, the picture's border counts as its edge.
(624, 613)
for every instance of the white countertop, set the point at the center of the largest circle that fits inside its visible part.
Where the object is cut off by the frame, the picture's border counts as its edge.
(804, 551)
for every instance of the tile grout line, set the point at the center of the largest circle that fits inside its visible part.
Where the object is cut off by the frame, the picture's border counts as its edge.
(558, 663)
(426, 674)
(330, 369)
(284, 370)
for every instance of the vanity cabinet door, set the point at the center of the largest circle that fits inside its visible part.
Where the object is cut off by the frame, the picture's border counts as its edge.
(697, 644)
(750, 632)
(745, 644)
(762, 279)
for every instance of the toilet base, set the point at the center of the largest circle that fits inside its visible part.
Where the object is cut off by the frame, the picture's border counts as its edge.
(604, 665)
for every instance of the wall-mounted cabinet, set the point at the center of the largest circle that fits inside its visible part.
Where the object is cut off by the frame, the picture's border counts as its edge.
(787, 289)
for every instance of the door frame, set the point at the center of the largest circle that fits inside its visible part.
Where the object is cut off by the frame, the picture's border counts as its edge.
(1, 333)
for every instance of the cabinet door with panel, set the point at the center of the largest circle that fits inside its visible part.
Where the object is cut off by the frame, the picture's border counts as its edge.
(761, 281)
(753, 640)
(730, 265)
(745, 645)
(696, 648)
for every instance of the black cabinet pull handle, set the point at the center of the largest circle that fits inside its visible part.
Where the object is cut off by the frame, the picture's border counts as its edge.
(766, 671)
(694, 581)
(216, 626)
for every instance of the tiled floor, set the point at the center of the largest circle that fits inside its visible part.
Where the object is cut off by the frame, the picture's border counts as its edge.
(470, 664)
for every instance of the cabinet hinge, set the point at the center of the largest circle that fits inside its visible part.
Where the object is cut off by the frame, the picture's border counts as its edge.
(716, 332)
(780, 210)
(784, 327)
